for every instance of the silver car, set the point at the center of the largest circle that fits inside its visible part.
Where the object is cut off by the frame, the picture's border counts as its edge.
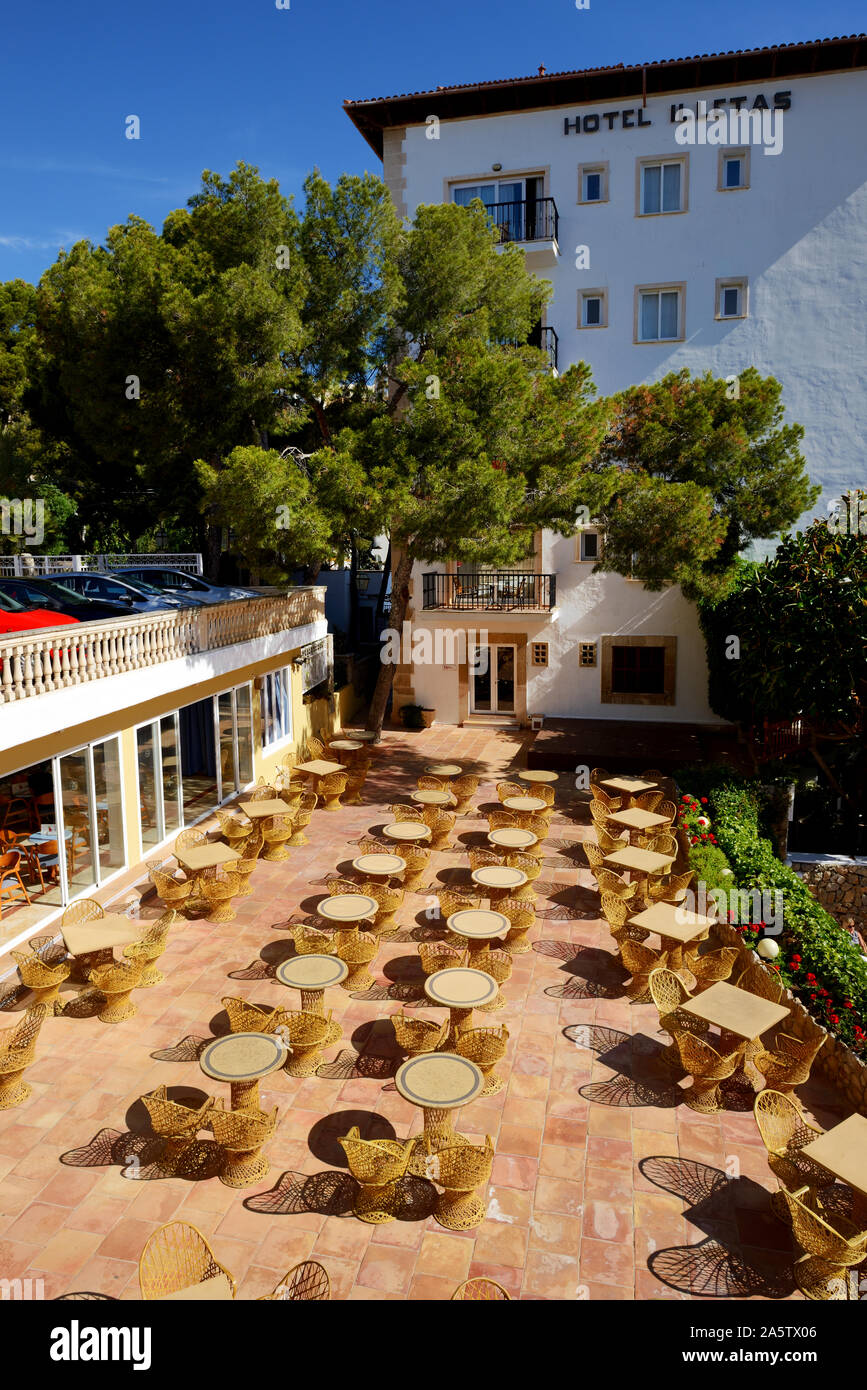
(132, 594)
(188, 587)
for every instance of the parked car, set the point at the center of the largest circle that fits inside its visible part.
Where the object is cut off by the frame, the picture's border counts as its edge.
(108, 588)
(48, 593)
(16, 617)
(185, 585)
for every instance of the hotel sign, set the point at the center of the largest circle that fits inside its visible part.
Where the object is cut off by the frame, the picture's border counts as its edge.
(633, 116)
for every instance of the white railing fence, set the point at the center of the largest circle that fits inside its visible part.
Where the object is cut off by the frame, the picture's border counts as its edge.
(54, 658)
(28, 564)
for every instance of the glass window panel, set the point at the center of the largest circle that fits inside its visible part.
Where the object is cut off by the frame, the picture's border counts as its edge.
(592, 187)
(171, 772)
(109, 806)
(733, 173)
(225, 705)
(649, 326)
(482, 680)
(592, 311)
(244, 711)
(671, 188)
(198, 759)
(506, 678)
(668, 314)
(147, 786)
(79, 833)
(731, 297)
(652, 175)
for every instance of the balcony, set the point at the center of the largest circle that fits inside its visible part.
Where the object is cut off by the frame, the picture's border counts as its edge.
(532, 222)
(498, 591)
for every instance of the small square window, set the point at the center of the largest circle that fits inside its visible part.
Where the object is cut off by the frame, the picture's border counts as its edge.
(589, 548)
(731, 299)
(733, 171)
(587, 653)
(593, 309)
(593, 183)
(539, 654)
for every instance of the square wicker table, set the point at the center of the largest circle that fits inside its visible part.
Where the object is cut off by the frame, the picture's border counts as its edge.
(639, 861)
(675, 926)
(633, 786)
(843, 1151)
(258, 810)
(242, 1059)
(211, 856)
(102, 933)
(636, 819)
(736, 1011)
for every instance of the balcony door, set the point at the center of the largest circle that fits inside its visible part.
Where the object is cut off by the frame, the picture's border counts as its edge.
(510, 202)
(493, 679)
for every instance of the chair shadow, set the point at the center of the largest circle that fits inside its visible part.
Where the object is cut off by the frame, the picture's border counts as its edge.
(85, 1295)
(374, 1055)
(635, 1060)
(725, 1264)
(404, 982)
(138, 1155)
(272, 955)
(322, 1138)
(571, 903)
(333, 1193)
(594, 974)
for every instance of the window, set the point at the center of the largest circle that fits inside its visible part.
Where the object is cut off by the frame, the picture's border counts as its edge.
(659, 313)
(539, 654)
(733, 170)
(593, 309)
(592, 183)
(638, 670)
(516, 205)
(662, 186)
(731, 299)
(589, 546)
(276, 707)
(587, 654)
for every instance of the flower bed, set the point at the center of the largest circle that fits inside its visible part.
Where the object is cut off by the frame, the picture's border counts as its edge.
(818, 960)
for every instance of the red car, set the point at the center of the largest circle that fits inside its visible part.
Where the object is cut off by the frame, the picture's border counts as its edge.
(15, 617)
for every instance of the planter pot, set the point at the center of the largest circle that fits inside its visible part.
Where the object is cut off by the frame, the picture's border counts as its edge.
(427, 717)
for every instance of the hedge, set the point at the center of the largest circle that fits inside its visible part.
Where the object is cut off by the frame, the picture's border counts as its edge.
(818, 959)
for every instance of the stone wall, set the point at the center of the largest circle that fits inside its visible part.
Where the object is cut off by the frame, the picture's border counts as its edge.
(838, 884)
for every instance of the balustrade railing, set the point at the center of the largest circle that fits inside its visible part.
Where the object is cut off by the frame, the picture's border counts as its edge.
(55, 658)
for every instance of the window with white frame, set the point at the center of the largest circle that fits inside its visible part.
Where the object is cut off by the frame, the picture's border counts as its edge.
(731, 298)
(661, 186)
(593, 183)
(589, 547)
(734, 170)
(593, 309)
(659, 313)
(276, 706)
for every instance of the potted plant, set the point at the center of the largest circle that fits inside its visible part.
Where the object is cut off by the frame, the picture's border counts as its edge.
(428, 716)
(411, 716)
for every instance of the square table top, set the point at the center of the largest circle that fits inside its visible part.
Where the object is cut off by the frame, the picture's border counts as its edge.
(273, 806)
(207, 856)
(643, 861)
(673, 922)
(736, 1010)
(636, 819)
(843, 1151)
(103, 933)
(319, 767)
(633, 786)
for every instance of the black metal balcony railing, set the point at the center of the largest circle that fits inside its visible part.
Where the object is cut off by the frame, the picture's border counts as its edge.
(497, 590)
(550, 343)
(526, 219)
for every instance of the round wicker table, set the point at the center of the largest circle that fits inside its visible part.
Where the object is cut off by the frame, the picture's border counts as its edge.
(440, 1082)
(433, 798)
(345, 745)
(242, 1059)
(498, 881)
(510, 837)
(479, 928)
(384, 866)
(444, 770)
(312, 975)
(460, 989)
(537, 774)
(525, 805)
(348, 911)
(407, 830)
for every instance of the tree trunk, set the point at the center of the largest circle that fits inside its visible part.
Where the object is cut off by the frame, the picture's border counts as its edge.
(353, 594)
(380, 602)
(212, 556)
(311, 572)
(399, 601)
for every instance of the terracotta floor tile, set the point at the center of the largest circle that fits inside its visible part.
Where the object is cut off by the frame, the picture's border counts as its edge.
(606, 1262)
(126, 1240)
(444, 1255)
(97, 1213)
(37, 1223)
(607, 1220)
(558, 1195)
(387, 1268)
(558, 1234)
(551, 1276)
(68, 1251)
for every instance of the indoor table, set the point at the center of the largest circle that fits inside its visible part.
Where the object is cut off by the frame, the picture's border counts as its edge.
(407, 830)
(312, 975)
(480, 928)
(447, 770)
(379, 866)
(433, 798)
(498, 881)
(439, 1082)
(242, 1059)
(536, 774)
(675, 926)
(460, 990)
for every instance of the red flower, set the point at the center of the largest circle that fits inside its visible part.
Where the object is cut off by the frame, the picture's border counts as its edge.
(847, 1004)
(834, 1018)
(796, 958)
(704, 801)
(812, 979)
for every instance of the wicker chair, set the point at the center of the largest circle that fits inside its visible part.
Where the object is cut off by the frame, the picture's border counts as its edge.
(599, 814)
(450, 902)
(117, 981)
(368, 844)
(484, 859)
(242, 1134)
(150, 948)
(188, 839)
(417, 1035)
(832, 1245)
(305, 1034)
(669, 994)
(249, 851)
(401, 812)
(669, 889)
(539, 827)
(599, 774)
(417, 860)
(480, 1290)
(712, 966)
(604, 800)
(358, 949)
(507, 789)
(461, 1169)
(439, 955)
(708, 1068)
(377, 1166)
(522, 916)
(593, 854)
(301, 819)
(218, 894)
(315, 749)
(177, 1124)
(433, 784)
(290, 792)
(309, 941)
(760, 981)
(233, 828)
(497, 964)
(502, 820)
(307, 1282)
(609, 844)
(788, 1065)
(616, 913)
(17, 1051)
(245, 1017)
(276, 830)
(668, 809)
(174, 893)
(486, 1047)
(464, 789)
(659, 843)
(609, 882)
(177, 1257)
(785, 1131)
(530, 865)
(356, 776)
(647, 801)
(43, 969)
(441, 824)
(331, 788)
(86, 911)
(390, 901)
(640, 960)
(262, 791)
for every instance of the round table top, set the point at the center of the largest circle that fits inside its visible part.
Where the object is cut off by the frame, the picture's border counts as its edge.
(478, 924)
(242, 1056)
(363, 735)
(460, 987)
(444, 769)
(347, 907)
(312, 972)
(377, 864)
(537, 774)
(512, 838)
(439, 1080)
(433, 798)
(407, 830)
(525, 803)
(499, 876)
(346, 745)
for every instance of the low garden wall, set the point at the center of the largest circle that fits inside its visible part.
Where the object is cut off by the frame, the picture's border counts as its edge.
(838, 884)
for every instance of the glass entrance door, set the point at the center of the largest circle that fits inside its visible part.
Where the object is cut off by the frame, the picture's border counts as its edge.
(493, 680)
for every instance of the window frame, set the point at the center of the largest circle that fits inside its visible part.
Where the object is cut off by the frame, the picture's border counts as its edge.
(602, 295)
(534, 664)
(730, 282)
(286, 673)
(680, 288)
(600, 167)
(580, 557)
(644, 161)
(741, 152)
(608, 696)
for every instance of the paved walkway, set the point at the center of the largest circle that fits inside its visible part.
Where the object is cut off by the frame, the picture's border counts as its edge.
(604, 1187)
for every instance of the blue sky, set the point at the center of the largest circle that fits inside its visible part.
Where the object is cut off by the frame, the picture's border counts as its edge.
(215, 81)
